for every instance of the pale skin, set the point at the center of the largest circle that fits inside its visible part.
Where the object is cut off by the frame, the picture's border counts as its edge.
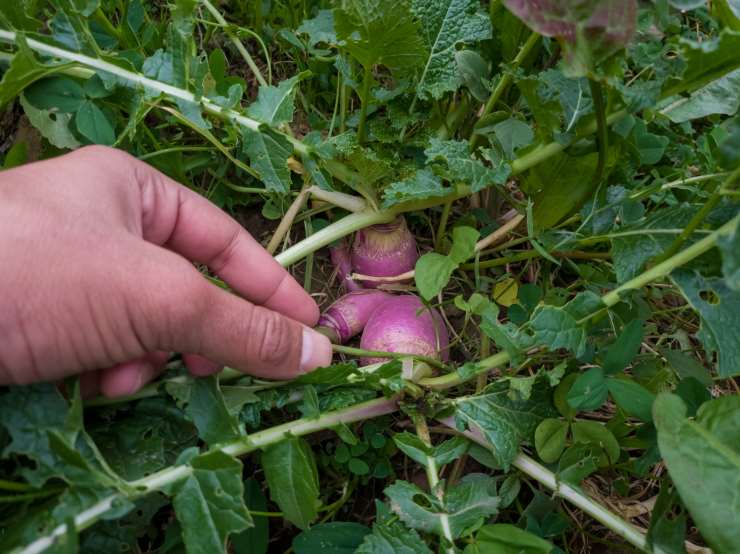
(97, 278)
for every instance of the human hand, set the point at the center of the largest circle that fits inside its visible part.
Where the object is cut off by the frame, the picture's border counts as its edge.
(96, 277)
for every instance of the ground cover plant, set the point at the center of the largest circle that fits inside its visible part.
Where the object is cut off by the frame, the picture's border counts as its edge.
(566, 175)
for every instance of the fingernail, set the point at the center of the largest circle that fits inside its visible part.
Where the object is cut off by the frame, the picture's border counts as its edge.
(316, 351)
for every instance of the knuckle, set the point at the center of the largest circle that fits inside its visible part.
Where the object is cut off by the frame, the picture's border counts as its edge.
(271, 337)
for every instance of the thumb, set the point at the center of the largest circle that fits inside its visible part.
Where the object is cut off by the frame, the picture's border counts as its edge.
(190, 315)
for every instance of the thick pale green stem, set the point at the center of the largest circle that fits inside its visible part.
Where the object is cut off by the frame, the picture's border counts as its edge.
(235, 41)
(167, 476)
(541, 474)
(329, 234)
(138, 79)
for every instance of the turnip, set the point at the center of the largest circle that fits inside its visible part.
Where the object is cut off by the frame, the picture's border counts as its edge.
(384, 251)
(403, 324)
(342, 261)
(348, 315)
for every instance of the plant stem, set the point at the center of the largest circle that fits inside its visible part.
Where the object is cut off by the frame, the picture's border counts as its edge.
(504, 82)
(364, 101)
(138, 79)
(236, 42)
(541, 474)
(239, 447)
(430, 466)
(602, 131)
(609, 299)
(287, 221)
(442, 227)
(664, 268)
(384, 354)
(700, 216)
(329, 234)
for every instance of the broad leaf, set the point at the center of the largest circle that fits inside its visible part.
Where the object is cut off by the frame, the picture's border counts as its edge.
(625, 348)
(717, 97)
(703, 460)
(421, 185)
(54, 128)
(93, 124)
(61, 94)
(432, 273)
(24, 70)
(549, 439)
(707, 61)
(556, 328)
(393, 537)
(589, 391)
(505, 538)
(380, 32)
(255, 539)
(209, 413)
(291, 474)
(274, 104)
(632, 397)
(269, 153)
(473, 499)
(463, 168)
(444, 24)
(337, 537)
(504, 421)
(719, 308)
(729, 244)
(209, 504)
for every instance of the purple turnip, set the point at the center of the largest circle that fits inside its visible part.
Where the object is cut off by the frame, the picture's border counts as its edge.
(342, 261)
(348, 315)
(403, 324)
(384, 251)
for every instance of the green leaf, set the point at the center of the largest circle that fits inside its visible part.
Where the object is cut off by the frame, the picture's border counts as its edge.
(578, 462)
(504, 538)
(320, 28)
(625, 348)
(589, 391)
(93, 124)
(421, 185)
(61, 94)
(16, 15)
(632, 397)
(393, 538)
(650, 147)
(24, 69)
(703, 460)
(462, 166)
(596, 434)
(290, 469)
(504, 421)
(209, 413)
(54, 129)
(444, 453)
(432, 273)
(718, 97)
(667, 532)
(473, 499)
(269, 153)
(209, 504)
(445, 24)
(380, 32)
(549, 439)
(274, 105)
(708, 60)
(463, 243)
(729, 245)
(513, 134)
(255, 539)
(473, 72)
(560, 185)
(337, 537)
(631, 252)
(556, 328)
(719, 308)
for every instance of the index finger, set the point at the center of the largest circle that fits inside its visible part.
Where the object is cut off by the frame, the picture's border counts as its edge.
(177, 218)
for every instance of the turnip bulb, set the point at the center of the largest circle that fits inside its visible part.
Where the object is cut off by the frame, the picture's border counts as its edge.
(403, 324)
(341, 259)
(348, 315)
(384, 251)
